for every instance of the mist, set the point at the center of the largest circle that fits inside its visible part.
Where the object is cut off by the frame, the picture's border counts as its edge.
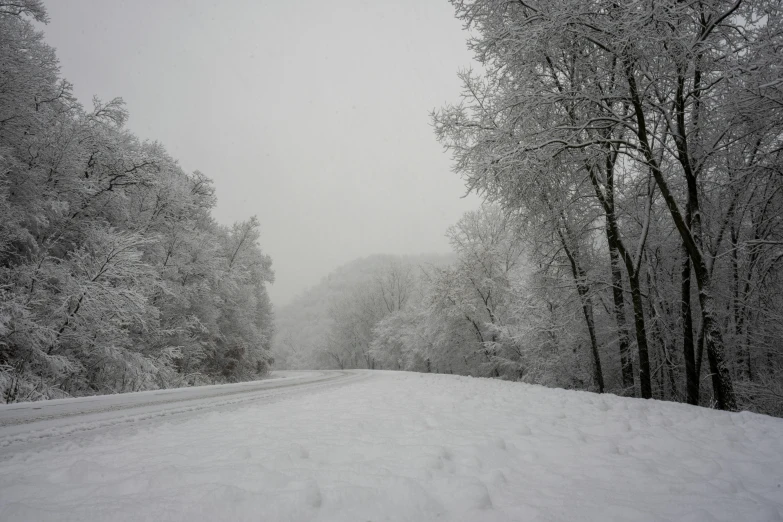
(313, 116)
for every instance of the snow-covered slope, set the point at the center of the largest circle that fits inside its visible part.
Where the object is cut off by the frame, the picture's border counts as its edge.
(401, 446)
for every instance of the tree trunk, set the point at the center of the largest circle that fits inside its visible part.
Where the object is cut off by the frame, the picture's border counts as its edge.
(626, 363)
(691, 371)
(657, 308)
(645, 384)
(713, 341)
(587, 310)
(580, 279)
(613, 236)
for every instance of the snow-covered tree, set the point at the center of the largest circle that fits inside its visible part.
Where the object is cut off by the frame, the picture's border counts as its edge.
(113, 274)
(641, 120)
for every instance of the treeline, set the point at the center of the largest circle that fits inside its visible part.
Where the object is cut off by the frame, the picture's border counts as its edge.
(311, 330)
(113, 274)
(641, 144)
(631, 159)
(482, 311)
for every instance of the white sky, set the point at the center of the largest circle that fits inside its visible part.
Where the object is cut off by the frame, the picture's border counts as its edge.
(310, 114)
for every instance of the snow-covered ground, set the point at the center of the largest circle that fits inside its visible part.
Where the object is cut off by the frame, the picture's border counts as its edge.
(399, 446)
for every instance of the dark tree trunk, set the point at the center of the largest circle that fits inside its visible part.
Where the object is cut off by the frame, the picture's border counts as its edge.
(656, 306)
(613, 236)
(645, 385)
(580, 279)
(713, 342)
(691, 370)
(587, 310)
(626, 363)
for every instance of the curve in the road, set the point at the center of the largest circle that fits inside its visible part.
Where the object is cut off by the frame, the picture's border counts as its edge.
(34, 422)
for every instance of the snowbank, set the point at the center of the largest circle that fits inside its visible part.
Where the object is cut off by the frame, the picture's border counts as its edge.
(401, 446)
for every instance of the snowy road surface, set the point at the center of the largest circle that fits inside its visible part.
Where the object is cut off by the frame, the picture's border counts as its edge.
(30, 422)
(377, 446)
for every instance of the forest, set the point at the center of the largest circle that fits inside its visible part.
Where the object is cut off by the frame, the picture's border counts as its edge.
(630, 159)
(114, 276)
(528, 260)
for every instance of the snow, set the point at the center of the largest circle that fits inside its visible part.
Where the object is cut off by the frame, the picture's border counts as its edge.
(401, 446)
(24, 422)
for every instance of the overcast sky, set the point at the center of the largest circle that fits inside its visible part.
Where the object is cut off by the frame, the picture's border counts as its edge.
(310, 114)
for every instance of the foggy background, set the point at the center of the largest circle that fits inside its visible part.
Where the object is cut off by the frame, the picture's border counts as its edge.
(311, 115)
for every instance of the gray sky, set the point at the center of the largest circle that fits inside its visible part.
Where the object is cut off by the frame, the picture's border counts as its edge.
(310, 114)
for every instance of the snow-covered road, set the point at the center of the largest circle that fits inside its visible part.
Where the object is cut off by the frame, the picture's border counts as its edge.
(388, 446)
(33, 422)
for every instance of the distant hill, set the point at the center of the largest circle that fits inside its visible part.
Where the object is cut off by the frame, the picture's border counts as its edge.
(303, 324)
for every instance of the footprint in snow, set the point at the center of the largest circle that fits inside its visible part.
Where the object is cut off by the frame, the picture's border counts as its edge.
(444, 461)
(473, 495)
(498, 477)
